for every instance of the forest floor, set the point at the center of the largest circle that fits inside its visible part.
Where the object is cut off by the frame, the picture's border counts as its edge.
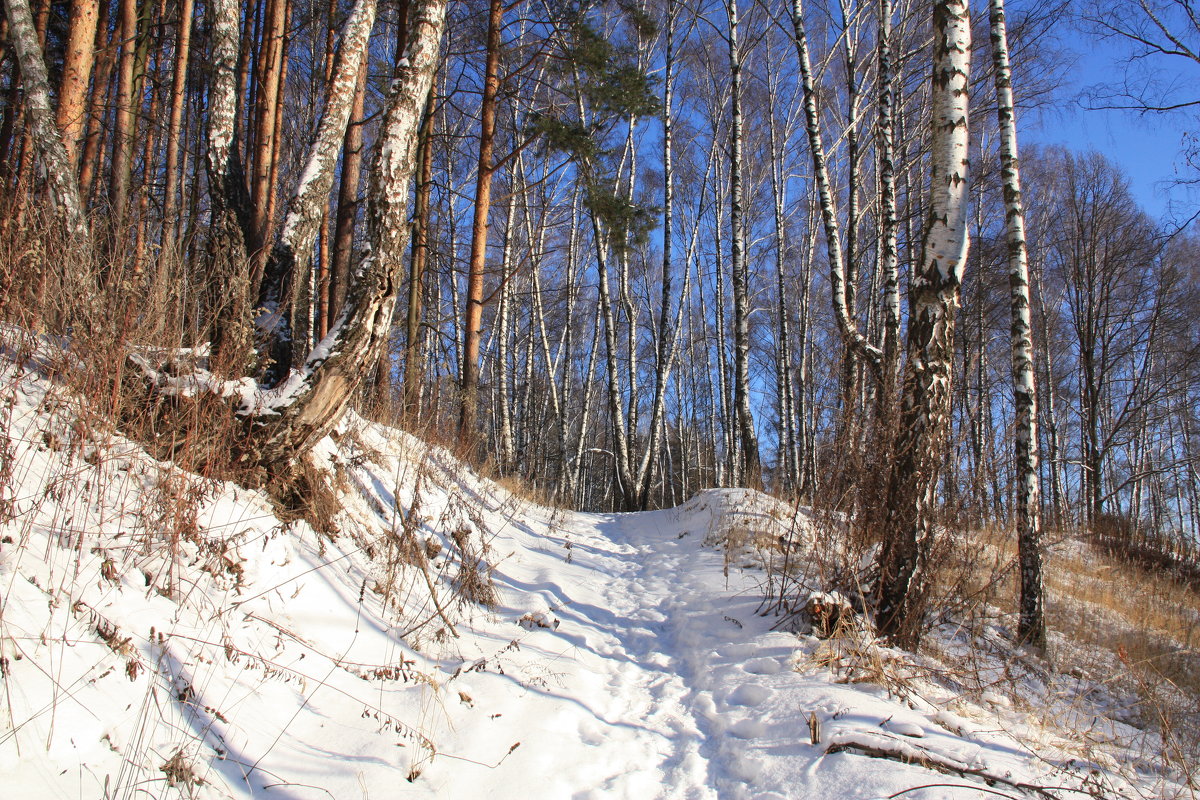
(162, 635)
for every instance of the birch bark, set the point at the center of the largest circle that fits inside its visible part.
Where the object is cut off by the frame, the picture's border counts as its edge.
(933, 296)
(1031, 626)
(60, 172)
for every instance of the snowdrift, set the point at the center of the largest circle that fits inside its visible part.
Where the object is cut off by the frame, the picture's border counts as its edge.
(162, 635)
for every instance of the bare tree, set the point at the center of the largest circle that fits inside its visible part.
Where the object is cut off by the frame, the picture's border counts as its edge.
(933, 300)
(1031, 626)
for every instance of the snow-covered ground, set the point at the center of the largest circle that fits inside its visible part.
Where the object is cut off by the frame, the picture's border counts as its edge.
(165, 636)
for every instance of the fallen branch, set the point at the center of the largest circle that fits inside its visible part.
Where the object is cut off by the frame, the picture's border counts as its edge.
(906, 753)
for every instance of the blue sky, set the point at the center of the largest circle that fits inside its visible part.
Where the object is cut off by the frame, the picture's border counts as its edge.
(1147, 146)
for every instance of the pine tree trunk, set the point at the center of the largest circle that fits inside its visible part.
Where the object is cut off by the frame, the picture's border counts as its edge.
(76, 74)
(933, 294)
(473, 319)
(122, 154)
(105, 57)
(183, 42)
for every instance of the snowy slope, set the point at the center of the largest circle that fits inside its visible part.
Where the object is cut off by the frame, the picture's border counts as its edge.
(164, 636)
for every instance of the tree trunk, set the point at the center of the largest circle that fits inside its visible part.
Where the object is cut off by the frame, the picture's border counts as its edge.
(76, 74)
(473, 319)
(268, 79)
(308, 405)
(751, 468)
(933, 297)
(299, 232)
(183, 44)
(1031, 627)
(228, 286)
(60, 171)
(413, 366)
(122, 154)
(829, 214)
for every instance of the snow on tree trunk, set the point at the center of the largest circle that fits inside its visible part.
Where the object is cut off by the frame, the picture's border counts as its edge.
(60, 171)
(229, 280)
(933, 296)
(303, 220)
(306, 407)
(1031, 626)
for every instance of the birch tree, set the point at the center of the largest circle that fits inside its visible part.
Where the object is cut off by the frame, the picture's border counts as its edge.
(902, 563)
(1031, 627)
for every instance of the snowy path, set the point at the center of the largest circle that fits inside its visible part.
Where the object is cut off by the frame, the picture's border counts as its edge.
(661, 681)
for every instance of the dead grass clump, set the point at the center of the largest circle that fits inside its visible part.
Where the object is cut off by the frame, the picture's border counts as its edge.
(179, 772)
(473, 583)
(306, 493)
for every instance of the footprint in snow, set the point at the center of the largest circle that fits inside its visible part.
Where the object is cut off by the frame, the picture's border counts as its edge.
(748, 728)
(748, 694)
(738, 650)
(591, 733)
(763, 666)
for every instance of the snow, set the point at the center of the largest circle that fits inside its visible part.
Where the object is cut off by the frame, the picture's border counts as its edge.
(166, 636)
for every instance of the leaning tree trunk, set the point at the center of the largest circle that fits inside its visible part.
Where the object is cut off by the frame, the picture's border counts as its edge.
(847, 326)
(60, 172)
(307, 406)
(933, 298)
(1031, 626)
(295, 244)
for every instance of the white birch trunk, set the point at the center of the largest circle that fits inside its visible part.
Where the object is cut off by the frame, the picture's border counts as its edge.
(1031, 626)
(310, 403)
(934, 293)
(59, 170)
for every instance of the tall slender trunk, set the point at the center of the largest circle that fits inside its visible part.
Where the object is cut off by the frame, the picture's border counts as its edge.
(473, 320)
(183, 43)
(934, 291)
(843, 313)
(413, 366)
(76, 74)
(122, 154)
(105, 57)
(739, 270)
(885, 136)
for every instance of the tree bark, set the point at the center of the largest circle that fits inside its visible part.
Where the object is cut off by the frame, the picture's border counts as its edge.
(183, 43)
(299, 232)
(751, 468)
(299, 413)
(933, 297)
(473, 318)
(122, 154)
(76, 74)
(1031, 627)
(60, 172)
